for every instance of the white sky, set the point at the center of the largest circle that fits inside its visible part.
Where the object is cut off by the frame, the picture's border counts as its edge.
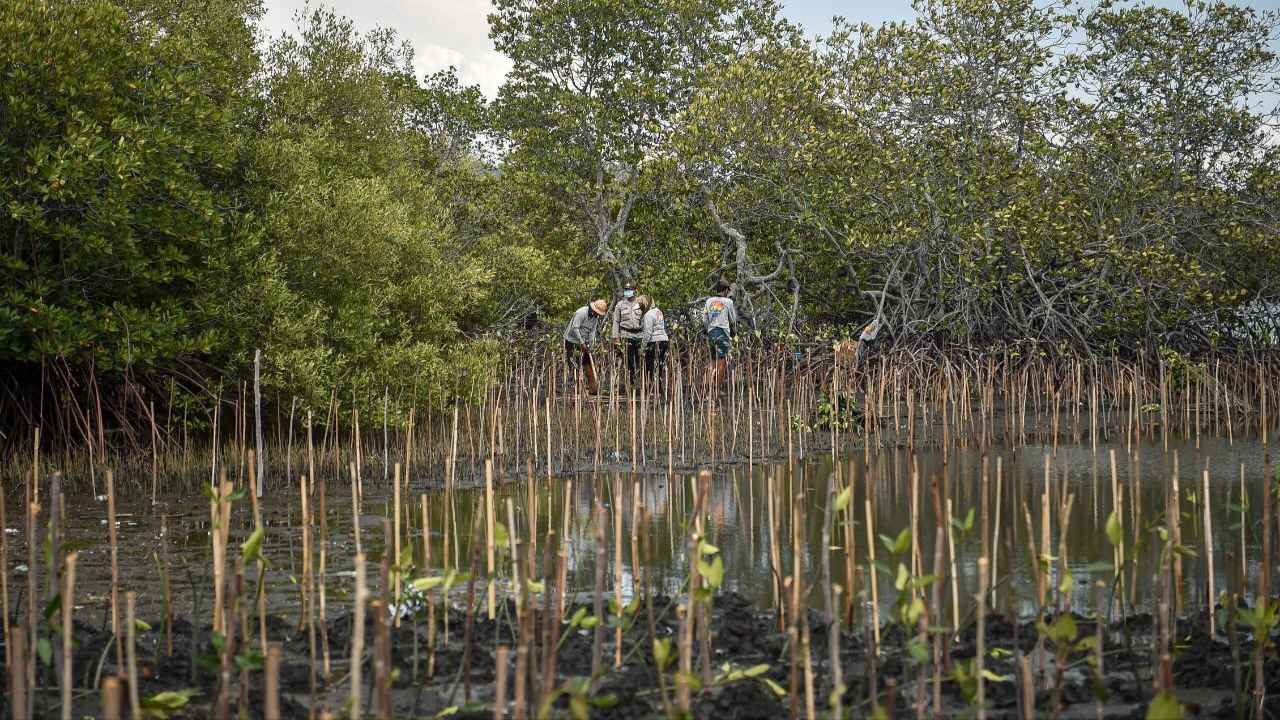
(442, 32)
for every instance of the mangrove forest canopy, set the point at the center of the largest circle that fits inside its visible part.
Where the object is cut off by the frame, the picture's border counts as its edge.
(179, 190)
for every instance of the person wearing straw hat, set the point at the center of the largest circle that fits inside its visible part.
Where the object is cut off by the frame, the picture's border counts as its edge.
(628, 328)
(583, 330)
(653, 341)
(718, 319)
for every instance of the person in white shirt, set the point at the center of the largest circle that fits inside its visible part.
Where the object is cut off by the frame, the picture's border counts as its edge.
(653, 341)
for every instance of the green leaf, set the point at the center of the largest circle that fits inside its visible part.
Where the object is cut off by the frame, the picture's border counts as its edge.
(1165, 706)
(712, 572)
(1115, 533)
(163, 704)
(775, 687)
(426, 584)
(251, 549)
(662, 653)
(45, 650)
(1063, 630)
(844, 498)
(903, 577)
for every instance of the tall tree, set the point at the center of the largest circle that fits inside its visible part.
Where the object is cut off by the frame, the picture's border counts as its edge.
(593, 92)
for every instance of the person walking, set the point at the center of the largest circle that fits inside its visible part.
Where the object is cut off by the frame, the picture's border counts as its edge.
(653, 341)
(628, 328)
(583, 330)
(718, 319)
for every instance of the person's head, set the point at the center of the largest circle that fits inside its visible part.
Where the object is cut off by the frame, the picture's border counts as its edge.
(599, 307)
(629, 290)
(645, 302)
(723, 287)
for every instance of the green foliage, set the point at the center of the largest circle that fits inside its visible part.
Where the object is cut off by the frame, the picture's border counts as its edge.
(175, 194)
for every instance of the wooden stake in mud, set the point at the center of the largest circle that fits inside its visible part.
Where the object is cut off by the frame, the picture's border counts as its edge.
(871, 570)
(135, 703)
(1208, 549)
(489, 533)
(357, 638)
(395, 478)
(980, 652)
(500, 683)
(271, 683)
(68, 605)
(111, 699)
(115, 571)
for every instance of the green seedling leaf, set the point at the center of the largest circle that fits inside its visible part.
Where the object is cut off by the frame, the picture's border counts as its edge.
(993, 677)
(662, 653)
(843, 499)
(606, 701)
(536, 586)
(578, 707)
(707, 548)
(53, 607)
(576, 619)
(249, 661)
(1115, 532)
(775, 687)
(45, 650)
(589, 622)
(251, 549)
(501, 538)
(1063, 630)
(161, 705)
(755, 670)
(140, 626)
(712, 572)
(1165, 706)
(426, 584)
(919, 651)
(904, 576)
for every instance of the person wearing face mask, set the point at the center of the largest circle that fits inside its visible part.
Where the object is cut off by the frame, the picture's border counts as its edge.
(628, 328)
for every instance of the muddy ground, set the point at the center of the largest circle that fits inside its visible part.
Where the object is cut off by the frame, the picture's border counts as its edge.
(742, 637)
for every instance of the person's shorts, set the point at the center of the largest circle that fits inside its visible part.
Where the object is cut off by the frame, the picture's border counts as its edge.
(718, 339)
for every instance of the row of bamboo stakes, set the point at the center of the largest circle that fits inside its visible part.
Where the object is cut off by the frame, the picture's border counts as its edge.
(962, 403)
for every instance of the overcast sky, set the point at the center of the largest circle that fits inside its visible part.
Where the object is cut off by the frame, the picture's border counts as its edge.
(456, 32)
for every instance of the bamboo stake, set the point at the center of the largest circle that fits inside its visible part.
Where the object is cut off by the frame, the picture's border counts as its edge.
(871, 570)
(500, 683)
(135, 704)
(490, 560)
(1208, 548)
(110, 698)
(271, 683)
(357, 638)
(68, 606)
(115, 571)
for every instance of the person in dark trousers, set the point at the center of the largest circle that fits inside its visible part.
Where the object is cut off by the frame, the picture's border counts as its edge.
(653, 342)
(628, 327)
(583, 330)
(718, 319)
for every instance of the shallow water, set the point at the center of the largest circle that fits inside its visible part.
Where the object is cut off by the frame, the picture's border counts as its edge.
(738, 522)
